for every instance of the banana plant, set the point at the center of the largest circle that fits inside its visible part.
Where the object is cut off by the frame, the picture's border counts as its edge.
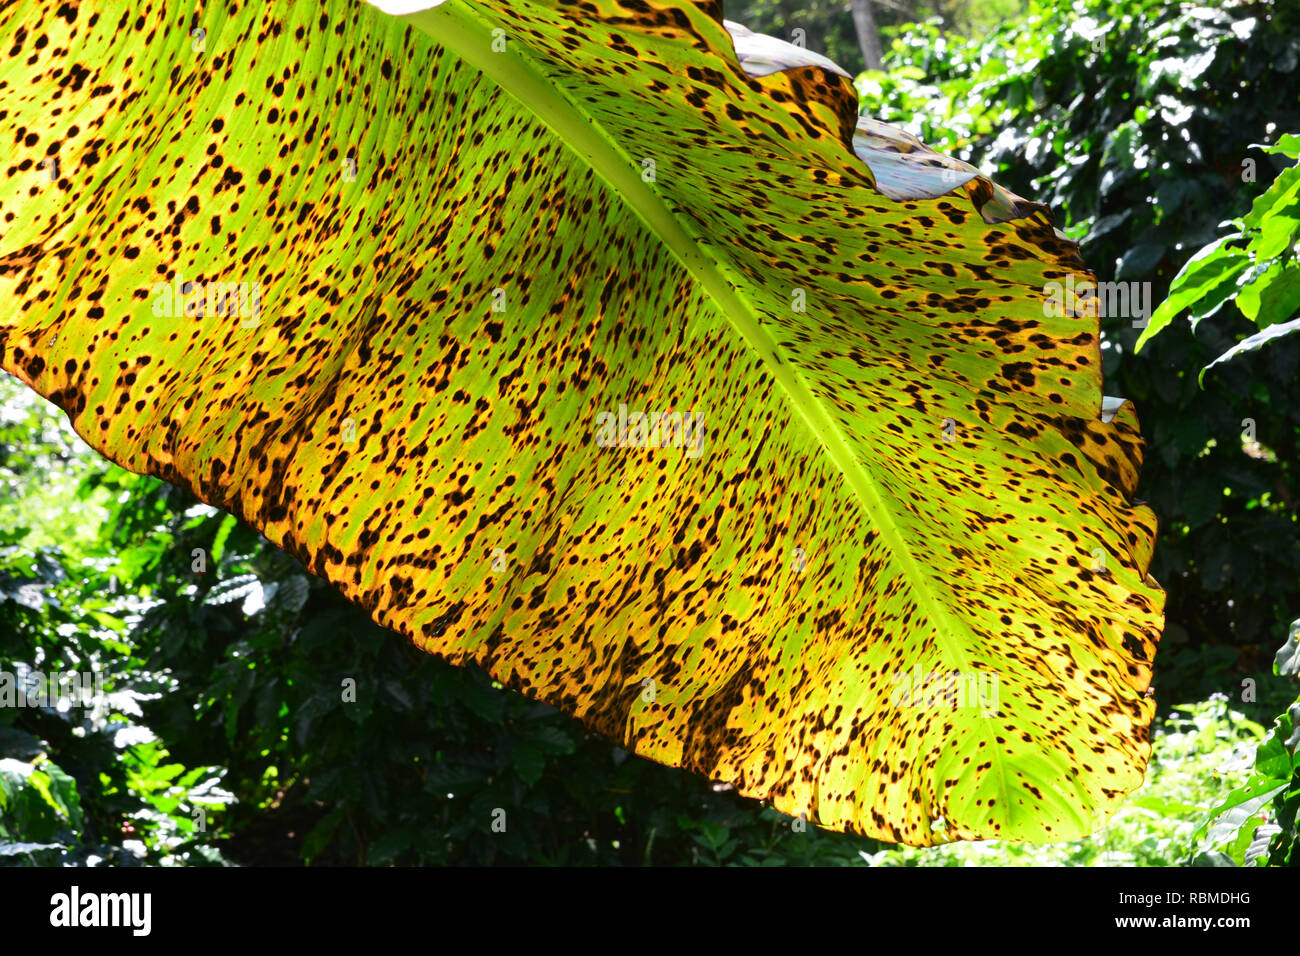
(606, 346)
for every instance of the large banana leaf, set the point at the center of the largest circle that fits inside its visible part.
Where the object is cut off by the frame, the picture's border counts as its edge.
(476, 243)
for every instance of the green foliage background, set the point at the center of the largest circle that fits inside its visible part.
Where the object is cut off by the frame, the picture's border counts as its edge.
(227, 738)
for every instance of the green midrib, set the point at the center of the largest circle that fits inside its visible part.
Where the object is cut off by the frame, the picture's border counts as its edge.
(455, 26)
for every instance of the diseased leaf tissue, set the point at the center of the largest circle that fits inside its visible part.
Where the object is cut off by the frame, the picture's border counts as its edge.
(610, 350)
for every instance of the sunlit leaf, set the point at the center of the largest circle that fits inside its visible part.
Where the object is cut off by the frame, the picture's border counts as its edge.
(1282, 193)
(1279, 229)
(462, 242)
(1272, 296)
(1209, 273)
(1288, 145)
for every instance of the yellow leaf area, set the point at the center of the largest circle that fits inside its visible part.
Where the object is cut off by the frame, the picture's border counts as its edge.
(565, 346)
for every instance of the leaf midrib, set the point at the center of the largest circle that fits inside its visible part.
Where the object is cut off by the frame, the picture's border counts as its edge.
(455, 26)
